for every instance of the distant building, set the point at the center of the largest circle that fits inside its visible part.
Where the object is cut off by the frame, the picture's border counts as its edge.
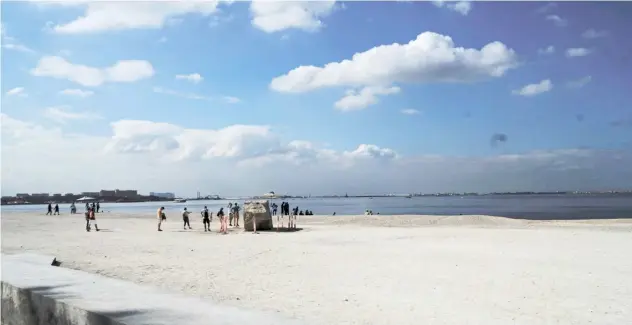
(165, 195)
(69, 194)
(125, 193)
(57, 195)
(40, 195)
(108, 193)
(93, 194)
(22, 195)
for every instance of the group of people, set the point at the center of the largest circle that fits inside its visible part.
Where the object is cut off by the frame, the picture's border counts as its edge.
(232, 220)
(285, 211)
(207, 217)
(50, 209)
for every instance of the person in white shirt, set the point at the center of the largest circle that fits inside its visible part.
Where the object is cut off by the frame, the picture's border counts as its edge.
(185, 218)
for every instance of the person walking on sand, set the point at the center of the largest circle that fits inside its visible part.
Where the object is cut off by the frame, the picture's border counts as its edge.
(50, 209)
(98, 207)
(93, 218)
(185, 218)
(56, 209)
(206, 219)
(223, 228)
(236, 214)
(161, 217)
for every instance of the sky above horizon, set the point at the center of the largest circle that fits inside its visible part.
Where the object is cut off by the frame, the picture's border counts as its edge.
(242, 98)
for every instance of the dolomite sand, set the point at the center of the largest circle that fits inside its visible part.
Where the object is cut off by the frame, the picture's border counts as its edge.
(382, 270)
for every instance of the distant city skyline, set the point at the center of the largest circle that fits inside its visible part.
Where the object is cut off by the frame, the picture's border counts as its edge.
(240, 98)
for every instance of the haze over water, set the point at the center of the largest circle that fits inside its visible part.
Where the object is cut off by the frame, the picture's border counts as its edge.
(540, 207)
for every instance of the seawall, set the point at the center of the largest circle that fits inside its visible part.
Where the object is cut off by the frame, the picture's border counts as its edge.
(36, 293)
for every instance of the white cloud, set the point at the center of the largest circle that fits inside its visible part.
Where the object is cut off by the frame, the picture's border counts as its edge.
(248, 159)
(170, 92)
(357, 100)
(17, 91)
(547, 50)
(547, 7)
(410, 111)
(462, 7)
(592, 33)
(10, 43)
(276, 16)
(231, 100)
(63, 114)
(17, 47)
(579, 83)
(121, 71)
(103, 16)
(559, 21)
(577, 52)
(194, 77)
(77, 93)
(430, 57)
(534, 89)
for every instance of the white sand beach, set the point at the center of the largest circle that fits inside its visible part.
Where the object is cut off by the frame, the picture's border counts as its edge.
(382, 270)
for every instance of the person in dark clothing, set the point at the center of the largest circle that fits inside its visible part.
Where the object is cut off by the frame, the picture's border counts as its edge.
(185, 218)
(274, 209)
(98, 207)
(56, 209)
(206, 220)
(50, 209)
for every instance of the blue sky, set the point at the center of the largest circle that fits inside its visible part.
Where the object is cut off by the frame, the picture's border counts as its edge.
(557, 82)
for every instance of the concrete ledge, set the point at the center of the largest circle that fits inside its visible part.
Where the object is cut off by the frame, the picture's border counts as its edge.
(35, 293)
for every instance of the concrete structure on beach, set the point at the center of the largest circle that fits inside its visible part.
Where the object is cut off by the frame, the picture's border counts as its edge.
(36, 293)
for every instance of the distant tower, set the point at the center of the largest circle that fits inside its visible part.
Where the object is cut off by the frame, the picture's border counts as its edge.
(198, 194)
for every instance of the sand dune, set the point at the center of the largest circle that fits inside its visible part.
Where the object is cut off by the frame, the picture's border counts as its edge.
(363, 270)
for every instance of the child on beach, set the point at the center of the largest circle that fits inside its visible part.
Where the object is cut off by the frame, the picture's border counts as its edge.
(161, 217)
(185, 218)
(222, 219)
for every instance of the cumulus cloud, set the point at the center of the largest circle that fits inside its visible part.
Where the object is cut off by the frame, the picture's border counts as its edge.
(17, 91)
(431, 57)
(557, 20)
(276, 16)
(77, 93)
(194, 77)
(250, 159)
(577, 52)
(121, 71)
(357, 100)
(534, 89)
(462, 7)
(579, 83)
(112, 16)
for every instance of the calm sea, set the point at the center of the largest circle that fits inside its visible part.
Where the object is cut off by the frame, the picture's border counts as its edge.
(540, 207)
